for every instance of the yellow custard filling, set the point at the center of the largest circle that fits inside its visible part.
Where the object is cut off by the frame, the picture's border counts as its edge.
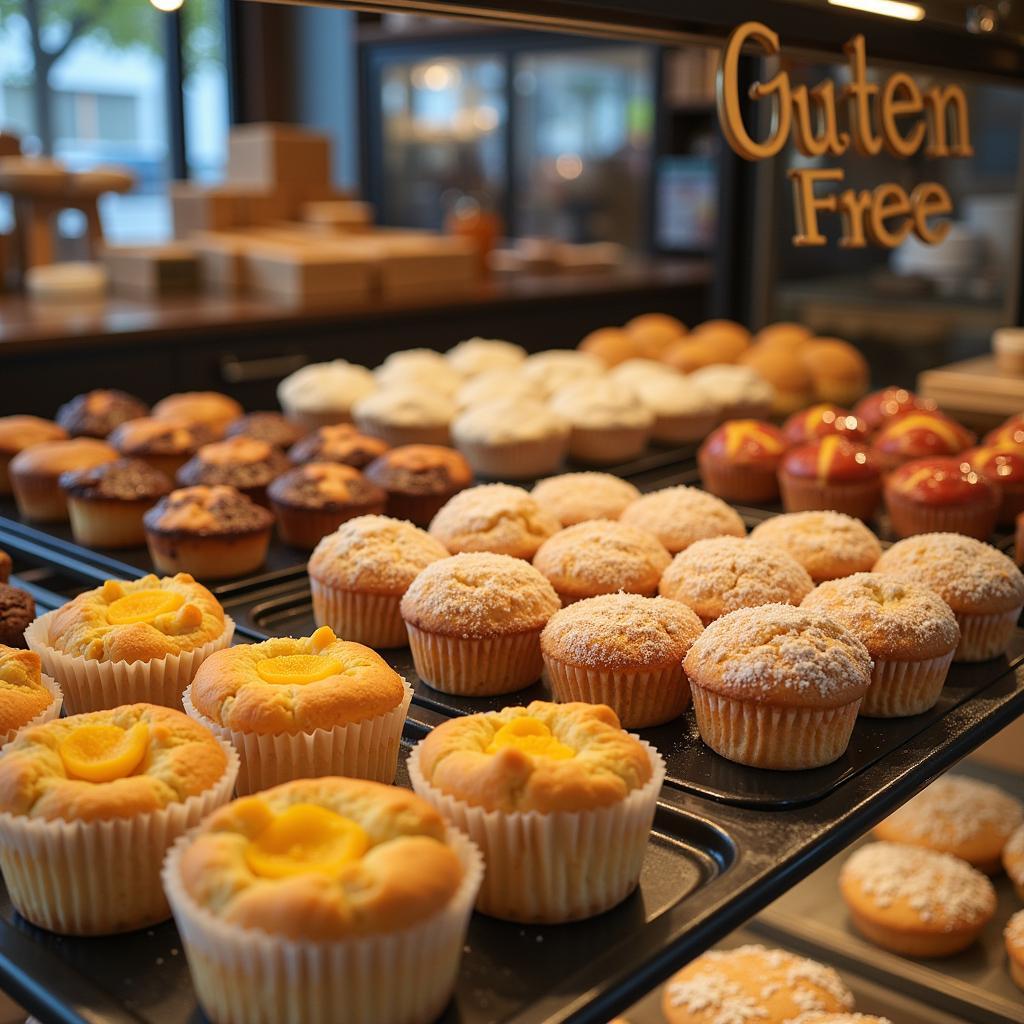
(143, 606)
(298, 669)
(304, 839)
(531, 736)
(104, 753)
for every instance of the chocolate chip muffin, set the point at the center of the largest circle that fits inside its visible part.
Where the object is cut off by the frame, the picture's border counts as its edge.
(17, 610)
(97, 413)
(271, 427)
(106, 503)
(5, 566)
(165, 444)
(241, 462)
(211, 532)
(338, 443)
(312, 501)
(419, 479)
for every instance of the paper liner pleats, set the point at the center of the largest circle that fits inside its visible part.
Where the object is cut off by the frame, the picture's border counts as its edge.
(908, 517)
(359, 750)
(92, 685)
(740, 483)
(246, 976)
(857, 498)
(983, 636)
(99, 877)
(48, 714)
(555, 867)
(371, 619)
(767, 736)
(902, 688)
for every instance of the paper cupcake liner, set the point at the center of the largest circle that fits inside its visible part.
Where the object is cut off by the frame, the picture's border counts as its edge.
(908, 518)
(550, 868)
(983, 636)
(359, 750)
(683, 428)
(522, 460)
(608, 445)
(639, 697)
(397, 435)
(99, 877)
(902, 688)
(48, 714)
(764, 736)
(312, 419)
(476, 667)
(247, 976)
(740, 483)
(371, 619)
(858, 499)
(91, 685)
(1012, 503)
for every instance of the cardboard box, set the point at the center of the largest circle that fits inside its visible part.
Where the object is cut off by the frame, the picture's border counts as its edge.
(223, 207)
(311, 273)
(222, 264)
(152, 271)
(411, 267)
(338, 215)
(268, 156)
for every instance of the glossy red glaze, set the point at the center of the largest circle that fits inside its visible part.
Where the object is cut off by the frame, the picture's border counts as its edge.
(880, 406)
(832, 459)
(821, 420)
(746, 441)
(917, 435)
(942, 482)
(999, 464)
(1010, 434)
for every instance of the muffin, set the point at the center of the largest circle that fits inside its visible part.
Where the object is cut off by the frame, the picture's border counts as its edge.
(608, 421)
(602, 556)
(727, 337)
(270, 427)
(419, 479)
(214, 533)
(578, 497)
(106, 503)
(784, 335)
(827, 544)
(1013, 935)
(723, 574)
(622, 650)
(97, 413)
(499, 518)
(941, 496)
(1013, 859)
(612, 345)
(340, 442)
(1008, 435)
(678, 516)
(919, 435)
(244, 463)
(408, 414)
(1005, 469)
(132, 640)
(683, 410)
(474, 622)
(514, 439)
(90, 804)
(359, 573)
(821, 420)
(652, 333)
(960, 816)
(18, 433)
(558, 797)
(552, 369)
(494, 385)
(418, 369)
(831, 474)
(838, 370)
(777, 687)
(35, 472)
(210, 408)
(165, 444)
(17, 610)
(686, 355)
(320, 394)
(313, 500)
(475, 356)
(321, 894)
(879, 407)
(28, 697)
(909, 631)
(739, 391)
(302, 708)
(791, 380)
(739, 461)
(6, 566)
(751, 983)
(982, 586)
(915, 902)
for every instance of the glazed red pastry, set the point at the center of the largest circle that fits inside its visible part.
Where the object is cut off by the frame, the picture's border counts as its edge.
(941, 496)
(822, 419)
(1008, 435)
(920, 435)
(880, 406)
(1004, 466)
(831, 474)
(739, 461)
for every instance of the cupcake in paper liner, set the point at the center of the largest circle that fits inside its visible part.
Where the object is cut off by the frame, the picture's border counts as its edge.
(90, 804)
(27, 697)
(301, 708)
(320, 894)
(559, 799)
(130, 641)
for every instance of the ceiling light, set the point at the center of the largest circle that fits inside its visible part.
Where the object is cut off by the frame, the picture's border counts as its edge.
(888, 8)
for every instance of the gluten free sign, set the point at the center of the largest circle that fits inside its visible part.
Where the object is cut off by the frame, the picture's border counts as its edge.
(895, 114)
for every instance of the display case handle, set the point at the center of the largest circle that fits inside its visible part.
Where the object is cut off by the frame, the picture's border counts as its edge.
(244, 371)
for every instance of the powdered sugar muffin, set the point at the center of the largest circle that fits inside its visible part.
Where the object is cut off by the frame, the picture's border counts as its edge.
(558, 797)
(909, 631)
(27, 697)
(475, 356)
(683, 410)
(678, 516)
(827, 544)
(406, 414)
(1013, 860)
(359, 573)
(622, 650)
(494, 517)
(602, 557)
(609, 422)
(576, 497)
(1013, 935)
(513, 438)
(474, 622)
(552, 369)
(320, 394)
(959, 815)
(777, 687)
(721, 574)
(420, 368)
(982, 586)
(752, 983)
(915, 902)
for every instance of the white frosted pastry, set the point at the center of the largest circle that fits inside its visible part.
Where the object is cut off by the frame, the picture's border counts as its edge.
(509, 438)
(406, 415)
(494, 385)
(739, 390)
(482, 355)
(552, 369)
(609, 422)
(418, 367)
(323, 393)
(683, 409)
